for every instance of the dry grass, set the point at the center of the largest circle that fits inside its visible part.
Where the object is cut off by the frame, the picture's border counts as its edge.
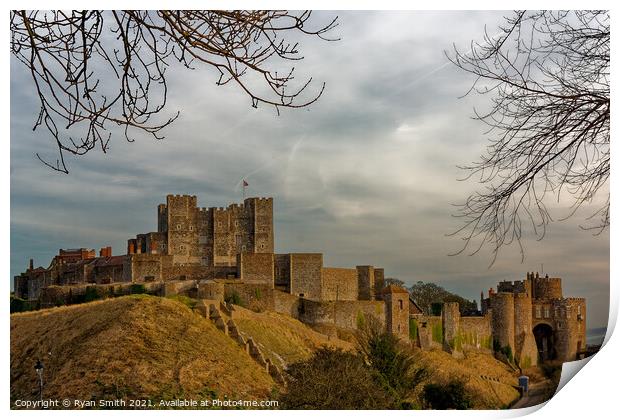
(132, 347)
(283, 339)
(487, 394)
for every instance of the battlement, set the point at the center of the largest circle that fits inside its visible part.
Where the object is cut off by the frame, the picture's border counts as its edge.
(517, 286)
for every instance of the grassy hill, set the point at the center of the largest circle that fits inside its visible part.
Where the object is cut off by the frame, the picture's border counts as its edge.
(283, 339)
(133, 347)
(157, 348)
(490, 381)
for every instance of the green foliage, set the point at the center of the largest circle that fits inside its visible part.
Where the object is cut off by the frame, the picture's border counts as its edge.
(333, 379)
(20, 305)
(437, 332)
(393, 362)
(526, 363)
(137, 289)
(185, 300)
(394, 281)
(425, 294)
(413, 329)
(234, 298)
(436, 308)
(93, 293)
(360, 320)
(452, 395)
(257, 293)
(486, 342)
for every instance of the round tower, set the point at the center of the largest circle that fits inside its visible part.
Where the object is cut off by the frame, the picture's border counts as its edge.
(503, 321)
(525, 345)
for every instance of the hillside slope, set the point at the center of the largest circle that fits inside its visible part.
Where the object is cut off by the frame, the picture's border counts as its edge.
(283, 339)
(132, 347)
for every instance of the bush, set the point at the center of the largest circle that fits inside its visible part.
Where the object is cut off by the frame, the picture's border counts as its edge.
(93, 293)
(452, 395)
(137, 289)
(393, 362)
(234, 298)
(20, 305)
(333, 379)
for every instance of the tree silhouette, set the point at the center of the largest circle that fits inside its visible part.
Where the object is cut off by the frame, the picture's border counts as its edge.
(547, 76)
(93, 69)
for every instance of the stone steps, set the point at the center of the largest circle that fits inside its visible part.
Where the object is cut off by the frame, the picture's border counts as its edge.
(222, 315)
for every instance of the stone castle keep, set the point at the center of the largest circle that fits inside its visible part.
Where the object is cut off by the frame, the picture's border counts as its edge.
(218, 254)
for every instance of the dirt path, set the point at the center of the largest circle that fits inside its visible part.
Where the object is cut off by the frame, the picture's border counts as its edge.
(538, 393)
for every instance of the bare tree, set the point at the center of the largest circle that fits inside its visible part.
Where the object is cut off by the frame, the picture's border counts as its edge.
(547, 76)
(93, 69)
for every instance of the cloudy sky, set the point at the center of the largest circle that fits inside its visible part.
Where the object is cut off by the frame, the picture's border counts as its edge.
(367, 175)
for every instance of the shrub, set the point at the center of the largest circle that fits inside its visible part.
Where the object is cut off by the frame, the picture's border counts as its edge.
(452, 395)
(137, 289)
(20, 305)
(93, 293)
(234, 298)
(333, 379)
(393, 362)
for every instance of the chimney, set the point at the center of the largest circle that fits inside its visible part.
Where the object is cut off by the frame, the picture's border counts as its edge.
(105, 252)
(31, 265)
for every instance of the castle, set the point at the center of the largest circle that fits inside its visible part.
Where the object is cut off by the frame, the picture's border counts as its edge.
(218, 254)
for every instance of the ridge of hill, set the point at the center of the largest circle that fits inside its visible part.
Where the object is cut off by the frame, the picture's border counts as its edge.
(130, 347)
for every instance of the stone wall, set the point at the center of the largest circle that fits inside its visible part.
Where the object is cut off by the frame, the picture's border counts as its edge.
(148, 267)
(306, 275)
(286, 304)
(475, 332)
(570, 326)
(397, 311)
(282, 272)
(339, 284)
(343, 314)
(66, 295)
(451, 321)
(547, 288)
(366, 282)
(256, 268)
(211, 290)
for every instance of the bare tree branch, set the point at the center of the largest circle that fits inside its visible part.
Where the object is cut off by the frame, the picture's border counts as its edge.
(73, 57)
(547, 76)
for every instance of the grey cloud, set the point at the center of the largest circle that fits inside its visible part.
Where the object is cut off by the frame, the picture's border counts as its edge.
(366, 175)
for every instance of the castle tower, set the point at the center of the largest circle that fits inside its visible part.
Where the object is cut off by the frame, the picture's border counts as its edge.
(525, 351)
(503, 322)
(365, 282)
(450, 319)
(397, 310)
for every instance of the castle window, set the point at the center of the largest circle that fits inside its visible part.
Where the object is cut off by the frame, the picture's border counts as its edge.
(547, 312)
(538, 311)
(219, 224)
(182, 247)
(236, 223)
(191, 227)
(400, 306)
(262, 246)
(398, 327)
(559, 325)
(579, 310)
(178, 227)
